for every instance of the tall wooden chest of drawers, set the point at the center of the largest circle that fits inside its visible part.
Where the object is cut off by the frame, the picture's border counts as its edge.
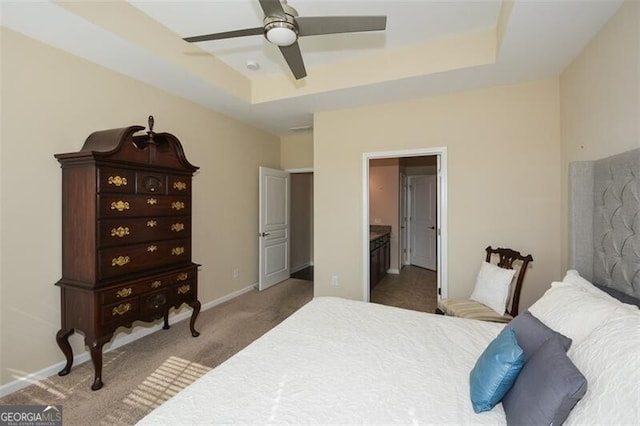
(126, 236)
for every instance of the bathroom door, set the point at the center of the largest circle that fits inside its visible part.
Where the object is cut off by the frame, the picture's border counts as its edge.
(423, 219)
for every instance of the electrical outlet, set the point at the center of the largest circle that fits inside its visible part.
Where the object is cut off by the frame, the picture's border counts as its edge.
(236, 273)
(334, 281)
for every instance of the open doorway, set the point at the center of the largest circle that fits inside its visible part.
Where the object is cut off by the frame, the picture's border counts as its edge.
(405, 197)
(301, 241)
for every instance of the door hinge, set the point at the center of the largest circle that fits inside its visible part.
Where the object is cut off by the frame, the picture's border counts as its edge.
(439, 292)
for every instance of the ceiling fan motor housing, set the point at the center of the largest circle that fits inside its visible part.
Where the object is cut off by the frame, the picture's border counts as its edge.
(282, 30)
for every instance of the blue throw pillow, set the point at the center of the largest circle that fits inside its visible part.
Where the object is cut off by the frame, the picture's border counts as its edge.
(495, 371)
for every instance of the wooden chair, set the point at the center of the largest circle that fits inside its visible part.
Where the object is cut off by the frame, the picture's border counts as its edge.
(466, 308)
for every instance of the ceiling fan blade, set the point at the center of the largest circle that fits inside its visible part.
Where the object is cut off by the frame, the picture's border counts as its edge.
(227, 34)
(294, 59)
(272, 7)
(317, 25)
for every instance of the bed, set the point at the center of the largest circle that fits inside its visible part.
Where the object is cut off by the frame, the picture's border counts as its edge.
(338, 361)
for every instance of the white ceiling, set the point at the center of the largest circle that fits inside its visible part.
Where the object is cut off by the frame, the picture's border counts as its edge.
(540, 39)
(409, 22)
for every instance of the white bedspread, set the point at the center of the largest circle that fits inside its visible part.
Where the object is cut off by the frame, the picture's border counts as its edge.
(342, 361)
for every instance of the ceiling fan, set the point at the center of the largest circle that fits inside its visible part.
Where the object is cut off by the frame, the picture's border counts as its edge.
(282, 27)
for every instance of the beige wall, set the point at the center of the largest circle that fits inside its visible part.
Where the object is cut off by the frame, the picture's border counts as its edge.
(51, 102)
(600, 97)
(296, 151)
(384, 200)
(600, 91)
(503, 147)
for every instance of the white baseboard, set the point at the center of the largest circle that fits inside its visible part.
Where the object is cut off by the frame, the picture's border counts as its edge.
(300, 267)
(139, 333)
(393, 271)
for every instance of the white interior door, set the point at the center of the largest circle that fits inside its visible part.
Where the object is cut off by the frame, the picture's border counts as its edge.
(273, 227)
(423, 221)
(432, 221)
(404, 220)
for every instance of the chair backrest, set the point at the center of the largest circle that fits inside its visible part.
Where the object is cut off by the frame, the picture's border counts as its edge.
(506, 259)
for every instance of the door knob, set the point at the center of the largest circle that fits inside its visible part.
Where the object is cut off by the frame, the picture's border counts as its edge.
(264, 234)
(432, 227)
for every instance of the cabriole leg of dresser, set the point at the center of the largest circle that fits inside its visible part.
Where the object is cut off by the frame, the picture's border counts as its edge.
(166, 320)
(95, 348)
(196, 310)
(62, 338)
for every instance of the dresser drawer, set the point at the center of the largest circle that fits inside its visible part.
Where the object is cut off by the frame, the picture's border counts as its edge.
(135, 230)
(184, 293)
(180, 185)
(167, 280)
(112, 205)
(146, 285)
(153, 305)
(151, 183)
(125, 311)
(116, 180)
(116, 261)
(121, 293)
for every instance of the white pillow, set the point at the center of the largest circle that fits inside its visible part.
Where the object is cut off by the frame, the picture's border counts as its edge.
(493, 286)
(574, 312)
(608, 358)
(573, 277)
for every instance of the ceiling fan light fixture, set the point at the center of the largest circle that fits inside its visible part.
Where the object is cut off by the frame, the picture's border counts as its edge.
(281, 33)
(282, 27)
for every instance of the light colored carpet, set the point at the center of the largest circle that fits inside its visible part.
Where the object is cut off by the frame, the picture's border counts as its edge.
(143, 374)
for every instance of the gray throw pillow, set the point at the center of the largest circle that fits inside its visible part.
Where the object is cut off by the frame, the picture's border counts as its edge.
(546, 390)
(531, 333)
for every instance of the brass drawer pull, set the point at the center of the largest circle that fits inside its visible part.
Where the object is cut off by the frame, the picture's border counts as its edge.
(152, 223)
(177, 205)
(119, 231)
(121, 309)
(177, 227)
(184, 289)
(117, 181)
(120, 260)
(151, 249)
(156, 284)
(179, 185)
(152, 201)
(120, 205)
(182, 276)
(177, 251)
(124, 292)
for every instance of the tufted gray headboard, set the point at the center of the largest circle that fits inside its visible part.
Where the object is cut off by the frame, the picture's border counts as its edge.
(604, 221)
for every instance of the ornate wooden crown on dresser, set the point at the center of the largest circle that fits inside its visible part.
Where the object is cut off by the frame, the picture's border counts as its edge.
(126, 237)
